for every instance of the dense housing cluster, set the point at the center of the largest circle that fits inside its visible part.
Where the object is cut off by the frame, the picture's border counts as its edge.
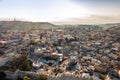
(90, 52)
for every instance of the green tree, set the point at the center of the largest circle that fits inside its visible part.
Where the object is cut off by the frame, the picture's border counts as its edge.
(22, 63)
(26, 78)
(41, 77)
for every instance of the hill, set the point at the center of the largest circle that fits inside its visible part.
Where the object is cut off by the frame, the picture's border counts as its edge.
(92, 26)
(24, 25)
(109, 25)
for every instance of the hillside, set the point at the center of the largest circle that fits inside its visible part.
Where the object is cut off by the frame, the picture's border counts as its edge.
(93, 26)
(105, 26)
(24, 25)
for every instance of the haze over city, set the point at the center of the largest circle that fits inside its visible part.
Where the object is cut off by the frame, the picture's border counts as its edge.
(62, 11)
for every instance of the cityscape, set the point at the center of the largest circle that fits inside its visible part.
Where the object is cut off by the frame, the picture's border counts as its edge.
(71, 40)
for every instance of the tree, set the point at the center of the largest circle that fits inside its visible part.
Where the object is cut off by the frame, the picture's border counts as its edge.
(22, 63)
(26, 78)
(41, 77)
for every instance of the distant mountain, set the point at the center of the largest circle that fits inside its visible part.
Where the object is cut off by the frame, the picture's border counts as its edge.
(86, 27)
(24, 25)
(93, 26)
(109, 25)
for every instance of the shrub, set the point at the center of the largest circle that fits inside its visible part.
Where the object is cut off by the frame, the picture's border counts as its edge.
(41, 77)
(26, 78)
(22, 63)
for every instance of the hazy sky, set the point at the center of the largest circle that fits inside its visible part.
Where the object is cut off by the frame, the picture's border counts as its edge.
(62, 11)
